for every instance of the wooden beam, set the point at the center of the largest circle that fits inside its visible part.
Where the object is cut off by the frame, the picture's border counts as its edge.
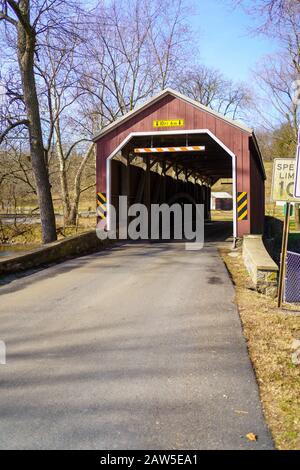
(164, 185)
(154, 161)
(141, 187)
(128, 176)
(148, 193)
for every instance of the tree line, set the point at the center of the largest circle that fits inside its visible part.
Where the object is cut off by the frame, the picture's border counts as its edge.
(69, 68)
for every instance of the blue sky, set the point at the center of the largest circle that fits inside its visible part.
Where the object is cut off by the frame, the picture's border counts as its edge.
(224, 39)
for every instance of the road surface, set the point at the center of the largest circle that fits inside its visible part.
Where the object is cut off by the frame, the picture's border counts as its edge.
(138, 347)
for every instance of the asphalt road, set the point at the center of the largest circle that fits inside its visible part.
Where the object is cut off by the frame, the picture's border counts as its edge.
(138, 347)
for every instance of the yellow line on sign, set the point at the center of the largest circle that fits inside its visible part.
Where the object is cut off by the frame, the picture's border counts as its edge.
(101, 205)
(241, 196)
(241, 217)
(242, 205)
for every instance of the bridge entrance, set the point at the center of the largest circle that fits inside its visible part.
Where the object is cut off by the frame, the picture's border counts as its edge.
(174, 148)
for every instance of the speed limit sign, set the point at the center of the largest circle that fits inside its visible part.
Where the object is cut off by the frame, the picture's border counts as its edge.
(284, 173)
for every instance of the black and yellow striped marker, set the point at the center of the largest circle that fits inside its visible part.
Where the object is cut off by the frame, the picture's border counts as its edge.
(101, 203)
(242, 206)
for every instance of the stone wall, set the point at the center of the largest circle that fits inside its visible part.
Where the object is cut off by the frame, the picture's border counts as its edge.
(262, 269)
(53, 252)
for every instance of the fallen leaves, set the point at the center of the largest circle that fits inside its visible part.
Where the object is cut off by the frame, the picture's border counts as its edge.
(241, 412)
(251, 436)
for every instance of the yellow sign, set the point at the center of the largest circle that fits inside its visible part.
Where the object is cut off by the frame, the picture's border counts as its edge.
(169, 123)
(283, 179)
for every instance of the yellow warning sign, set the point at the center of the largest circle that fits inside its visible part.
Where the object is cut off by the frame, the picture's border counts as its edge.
(284, 172)
(101, 203)
(242, 205)
(169, 123)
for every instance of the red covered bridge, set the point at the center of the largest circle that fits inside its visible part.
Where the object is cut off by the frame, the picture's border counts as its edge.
(172, 146)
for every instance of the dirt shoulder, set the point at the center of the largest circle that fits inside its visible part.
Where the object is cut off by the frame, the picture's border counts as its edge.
(270, 333)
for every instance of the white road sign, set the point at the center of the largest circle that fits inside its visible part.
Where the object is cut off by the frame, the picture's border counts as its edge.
(297, 179)
(283, 179)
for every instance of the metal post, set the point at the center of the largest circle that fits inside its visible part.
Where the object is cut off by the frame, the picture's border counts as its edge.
(196, 190)
(128, 176)
(164, 186)
(128, 186)
(285, 237)
(148, 193)
(209, 202)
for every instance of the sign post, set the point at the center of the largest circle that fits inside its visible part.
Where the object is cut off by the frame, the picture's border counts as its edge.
(283, 190)
(286, 187)
(284, 245)
(297, 179)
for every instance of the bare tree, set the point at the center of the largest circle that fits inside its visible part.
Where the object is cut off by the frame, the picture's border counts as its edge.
(271, 13)
(170, 42)
(19, 15)
(59, 70)
(136, 49)
(117, 73)
(78, 189)
(278, 104)
(13, 117)
(16, 185)
(278, 75)
(212, 89)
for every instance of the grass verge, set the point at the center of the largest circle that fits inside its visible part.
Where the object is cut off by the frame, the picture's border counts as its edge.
(269, 333)
(31, 234)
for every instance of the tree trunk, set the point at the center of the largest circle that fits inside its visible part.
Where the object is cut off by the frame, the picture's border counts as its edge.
(63, 175)
(64, 191)
(77, 186)
(74, 211)
(26, 50)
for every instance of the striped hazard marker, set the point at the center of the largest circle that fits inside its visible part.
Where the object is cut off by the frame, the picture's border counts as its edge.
(242, 205)
(193, 148)
(101, 205)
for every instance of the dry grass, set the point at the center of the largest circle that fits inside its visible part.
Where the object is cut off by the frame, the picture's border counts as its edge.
(269, 333)
(30, 234)
(221, 215)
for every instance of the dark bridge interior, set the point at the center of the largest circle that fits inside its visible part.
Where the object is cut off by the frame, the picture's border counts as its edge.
(156, 178)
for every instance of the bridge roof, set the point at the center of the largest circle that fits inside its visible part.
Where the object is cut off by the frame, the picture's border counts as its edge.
(130, 119)
(175, 94)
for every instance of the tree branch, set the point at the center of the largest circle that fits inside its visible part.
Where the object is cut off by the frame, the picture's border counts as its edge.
(7, 18)
(16, 9)
(23, 122)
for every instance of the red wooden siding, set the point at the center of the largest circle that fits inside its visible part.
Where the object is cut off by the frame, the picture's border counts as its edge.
(236, 139)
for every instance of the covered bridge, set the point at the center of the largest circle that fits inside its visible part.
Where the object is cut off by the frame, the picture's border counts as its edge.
(173, 145)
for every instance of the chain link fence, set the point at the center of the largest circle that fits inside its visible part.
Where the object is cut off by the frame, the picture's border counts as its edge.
(292, 278)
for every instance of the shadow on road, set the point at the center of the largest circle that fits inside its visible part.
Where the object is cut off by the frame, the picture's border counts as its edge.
(215, 232)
